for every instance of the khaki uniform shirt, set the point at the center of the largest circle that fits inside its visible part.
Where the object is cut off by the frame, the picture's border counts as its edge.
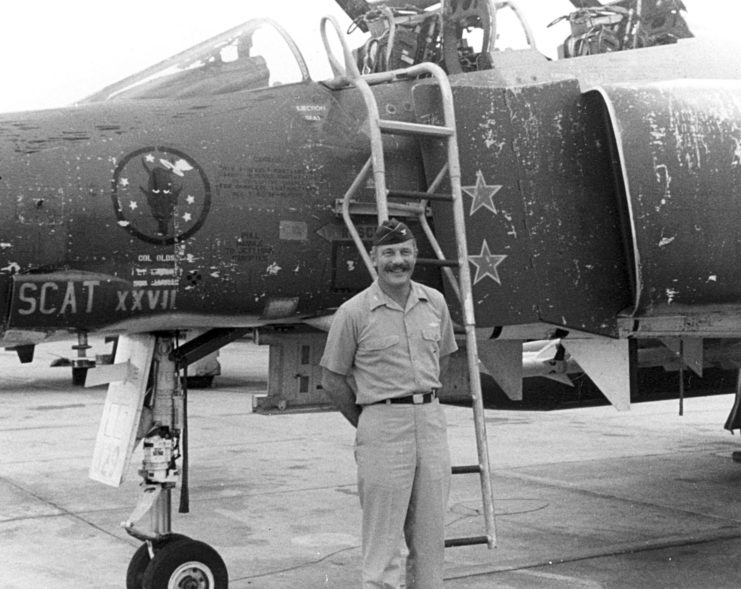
(390, 351)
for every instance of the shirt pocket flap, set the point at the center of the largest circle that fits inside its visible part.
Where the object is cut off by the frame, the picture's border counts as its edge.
(381, 343)
(431, 334)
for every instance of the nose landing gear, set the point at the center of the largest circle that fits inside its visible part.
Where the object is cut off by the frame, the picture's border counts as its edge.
(166, 560)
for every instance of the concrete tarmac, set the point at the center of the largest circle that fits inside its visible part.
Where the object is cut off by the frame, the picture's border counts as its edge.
(585, 498)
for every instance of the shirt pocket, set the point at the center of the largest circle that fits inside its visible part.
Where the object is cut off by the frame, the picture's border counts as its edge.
(380, 343)
(431, 337)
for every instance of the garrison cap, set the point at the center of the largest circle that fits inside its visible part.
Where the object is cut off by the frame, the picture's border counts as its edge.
(390, 232)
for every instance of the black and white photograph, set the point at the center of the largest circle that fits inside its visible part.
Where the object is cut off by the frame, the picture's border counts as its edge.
(370, 294)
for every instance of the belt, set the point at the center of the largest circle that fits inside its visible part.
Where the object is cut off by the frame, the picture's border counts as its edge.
(416, 399)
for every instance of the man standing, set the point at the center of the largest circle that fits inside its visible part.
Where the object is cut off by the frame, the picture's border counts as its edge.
(382, 363)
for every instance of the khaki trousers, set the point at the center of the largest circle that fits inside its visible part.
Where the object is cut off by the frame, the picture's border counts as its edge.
(403, 481)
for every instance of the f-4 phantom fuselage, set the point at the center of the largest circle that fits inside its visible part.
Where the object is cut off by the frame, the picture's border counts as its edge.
(211, 199)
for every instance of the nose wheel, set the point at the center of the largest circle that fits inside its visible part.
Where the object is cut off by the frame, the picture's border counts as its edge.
(178, 563)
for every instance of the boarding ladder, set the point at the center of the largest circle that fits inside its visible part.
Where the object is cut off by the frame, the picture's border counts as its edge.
(350, 75)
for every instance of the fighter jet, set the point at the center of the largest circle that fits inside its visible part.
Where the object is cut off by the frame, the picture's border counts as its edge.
(589, 200)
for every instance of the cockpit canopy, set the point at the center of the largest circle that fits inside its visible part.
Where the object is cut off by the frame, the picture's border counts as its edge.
(254, 55)
(459, 35)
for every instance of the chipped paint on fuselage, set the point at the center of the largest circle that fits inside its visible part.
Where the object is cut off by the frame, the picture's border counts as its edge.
(251, 180)
(146, 213)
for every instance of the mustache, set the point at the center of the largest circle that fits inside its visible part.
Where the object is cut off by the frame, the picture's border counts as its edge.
(400, 266)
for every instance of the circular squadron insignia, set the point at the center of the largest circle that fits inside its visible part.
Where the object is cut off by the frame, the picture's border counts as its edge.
(160, 195)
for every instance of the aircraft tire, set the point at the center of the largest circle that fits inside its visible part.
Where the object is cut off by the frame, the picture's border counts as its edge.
(186, 563)
(140, 561)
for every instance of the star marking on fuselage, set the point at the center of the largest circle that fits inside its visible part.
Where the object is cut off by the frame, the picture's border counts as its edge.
(487, 264)
(482, 194)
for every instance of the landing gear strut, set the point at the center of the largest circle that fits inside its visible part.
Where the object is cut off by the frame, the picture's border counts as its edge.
(81, 363)
(166, 560)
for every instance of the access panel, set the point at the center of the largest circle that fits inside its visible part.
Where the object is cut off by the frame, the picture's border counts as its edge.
(541, 200)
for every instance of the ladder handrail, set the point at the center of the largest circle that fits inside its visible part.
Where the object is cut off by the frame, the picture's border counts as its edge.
(432, 239)
(352, 75)
(338, 70)
(359, 179)
(469, 320)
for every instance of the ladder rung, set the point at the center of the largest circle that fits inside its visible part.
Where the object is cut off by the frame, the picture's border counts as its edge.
(403, 128)
(474, 468)
(436, 262)
(419, 195)
(470, 541)
(370, 208)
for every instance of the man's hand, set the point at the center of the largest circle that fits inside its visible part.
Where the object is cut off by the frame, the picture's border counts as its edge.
(342, 395)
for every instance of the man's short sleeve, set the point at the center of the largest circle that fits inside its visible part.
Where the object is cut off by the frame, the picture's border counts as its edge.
(339, 351)
(447, 336)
